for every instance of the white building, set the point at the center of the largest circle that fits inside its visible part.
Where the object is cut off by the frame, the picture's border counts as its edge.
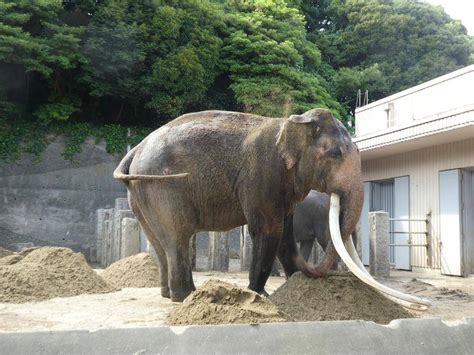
(417, 151)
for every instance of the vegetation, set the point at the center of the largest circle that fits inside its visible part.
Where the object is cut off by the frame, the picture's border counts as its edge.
(94, 68)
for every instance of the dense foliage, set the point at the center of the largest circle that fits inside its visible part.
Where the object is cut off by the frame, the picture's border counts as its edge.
(95, 67)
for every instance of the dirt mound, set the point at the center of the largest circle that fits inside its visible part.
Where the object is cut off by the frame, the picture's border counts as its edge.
(5, 252)
(135, 271)
(48, 272)
(10, 259)
(427, 289)
(218, 302)
(340, 296)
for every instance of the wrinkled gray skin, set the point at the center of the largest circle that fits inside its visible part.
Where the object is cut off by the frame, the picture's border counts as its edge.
(216, 170)
(311, 223)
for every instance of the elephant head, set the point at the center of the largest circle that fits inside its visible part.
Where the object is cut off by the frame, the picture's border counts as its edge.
(318, 151)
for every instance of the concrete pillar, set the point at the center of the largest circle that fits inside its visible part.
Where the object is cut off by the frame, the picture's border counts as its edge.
(109, 241)
(117, 233)
(102, 226)
(143, 241)
(130, 243)
(379, 244)
(245, 249)
(359, 240)
(218, 251)
(99, 233)
(121, 203)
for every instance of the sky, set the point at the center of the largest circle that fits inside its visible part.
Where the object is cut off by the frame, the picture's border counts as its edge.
(459, 10)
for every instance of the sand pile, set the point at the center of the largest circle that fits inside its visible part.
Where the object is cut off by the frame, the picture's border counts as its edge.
(5, 252)
(416, 286)
(340, 296)
(10, 259)
(135, 271)
(48, 272)
(218, 302)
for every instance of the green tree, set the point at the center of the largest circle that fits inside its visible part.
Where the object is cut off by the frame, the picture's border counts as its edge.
(409, 41)
(38, 54)
(271, 64)
(154, 60)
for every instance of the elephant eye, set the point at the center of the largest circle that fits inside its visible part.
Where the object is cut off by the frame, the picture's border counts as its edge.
(335, 153)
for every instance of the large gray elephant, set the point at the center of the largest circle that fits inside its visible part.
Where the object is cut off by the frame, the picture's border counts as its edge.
(217, 170)
(311, 223)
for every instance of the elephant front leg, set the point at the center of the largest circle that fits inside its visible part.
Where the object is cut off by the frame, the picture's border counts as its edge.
(263, 255)
(266, 239)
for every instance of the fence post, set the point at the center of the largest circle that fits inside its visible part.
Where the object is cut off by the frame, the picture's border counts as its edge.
(379, 246)
(245, 249)
(218, 251)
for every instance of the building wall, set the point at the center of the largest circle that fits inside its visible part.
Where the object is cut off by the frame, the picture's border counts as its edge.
(423, 167)
(54, 202)
(435, 98)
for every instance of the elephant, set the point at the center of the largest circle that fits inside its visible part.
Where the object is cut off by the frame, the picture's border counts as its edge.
(311, 223)
(217, 170)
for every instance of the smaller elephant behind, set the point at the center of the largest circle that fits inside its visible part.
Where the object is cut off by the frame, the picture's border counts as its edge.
(311, 222)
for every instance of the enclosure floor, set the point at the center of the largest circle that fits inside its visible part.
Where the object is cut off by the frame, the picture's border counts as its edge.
(135, 307)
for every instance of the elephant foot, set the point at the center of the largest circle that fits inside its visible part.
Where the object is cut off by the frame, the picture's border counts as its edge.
(260, 291)
(180, 295)
(165, 292)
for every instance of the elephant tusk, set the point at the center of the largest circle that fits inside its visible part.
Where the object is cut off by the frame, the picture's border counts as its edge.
(397, 296)
(355, 257)
(350, 247)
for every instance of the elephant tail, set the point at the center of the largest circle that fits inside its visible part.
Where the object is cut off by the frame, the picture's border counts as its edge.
(122, 170)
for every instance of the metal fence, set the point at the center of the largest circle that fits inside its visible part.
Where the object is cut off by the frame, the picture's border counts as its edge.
(418, 241)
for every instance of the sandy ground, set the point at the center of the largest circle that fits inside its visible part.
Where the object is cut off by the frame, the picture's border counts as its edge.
(457, 304)
(135, 307)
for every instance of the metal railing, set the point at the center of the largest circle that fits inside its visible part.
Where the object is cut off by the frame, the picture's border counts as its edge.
(421, 262)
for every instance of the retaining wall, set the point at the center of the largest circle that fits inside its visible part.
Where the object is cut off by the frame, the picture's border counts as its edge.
(54, 202)
(407, 336)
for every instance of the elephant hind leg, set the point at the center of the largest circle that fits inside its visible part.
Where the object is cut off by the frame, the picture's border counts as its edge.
(288, 250)
(153, 238)
(179, 266)
(305, 248)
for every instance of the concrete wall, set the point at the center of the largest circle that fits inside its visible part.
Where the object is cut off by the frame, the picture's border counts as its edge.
(54, 202)
(423, 167)
(403, 336)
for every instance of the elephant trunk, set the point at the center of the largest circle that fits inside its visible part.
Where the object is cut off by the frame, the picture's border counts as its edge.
(347, 184)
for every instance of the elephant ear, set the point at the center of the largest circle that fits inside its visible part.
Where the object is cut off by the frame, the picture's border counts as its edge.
(302, 118)
(292, 140)
(295, 132)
